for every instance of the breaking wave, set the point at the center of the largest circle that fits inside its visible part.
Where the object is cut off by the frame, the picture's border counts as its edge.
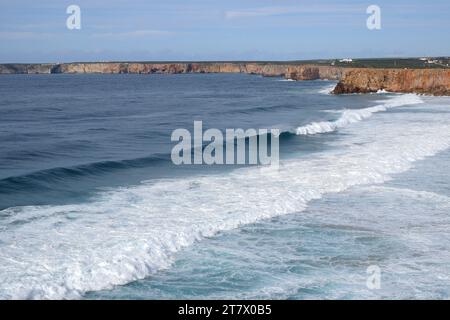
(327, 89)
(352, 116)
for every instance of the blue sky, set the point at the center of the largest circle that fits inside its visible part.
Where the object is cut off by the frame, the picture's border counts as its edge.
(35, 31)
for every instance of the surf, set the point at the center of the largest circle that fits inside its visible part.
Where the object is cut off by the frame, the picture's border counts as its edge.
(129, 233)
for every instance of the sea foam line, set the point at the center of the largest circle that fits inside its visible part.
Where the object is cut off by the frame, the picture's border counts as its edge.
(417, 195)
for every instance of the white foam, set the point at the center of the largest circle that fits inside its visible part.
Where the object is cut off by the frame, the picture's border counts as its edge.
(126, 234)
(355, 115)
(328, 89)
(415, 194)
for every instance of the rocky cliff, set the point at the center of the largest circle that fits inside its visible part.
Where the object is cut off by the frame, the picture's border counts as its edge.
(424, 81)
(40, 68)
(351, 80)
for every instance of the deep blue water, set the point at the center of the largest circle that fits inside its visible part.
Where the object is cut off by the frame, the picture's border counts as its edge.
(65, 136)
(92, 207)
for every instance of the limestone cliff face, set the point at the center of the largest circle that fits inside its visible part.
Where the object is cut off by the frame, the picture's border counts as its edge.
(426, 81)
(303, 72)
(148, 68)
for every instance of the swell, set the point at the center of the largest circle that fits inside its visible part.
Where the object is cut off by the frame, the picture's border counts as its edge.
(44, 179)
(249, 111)
(47, 179)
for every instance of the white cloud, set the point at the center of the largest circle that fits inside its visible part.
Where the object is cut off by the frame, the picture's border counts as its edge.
(273, 11)
(260, 12)
(133, 34)
(18, 35)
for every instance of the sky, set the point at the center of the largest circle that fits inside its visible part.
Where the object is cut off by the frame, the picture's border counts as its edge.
(212, 30)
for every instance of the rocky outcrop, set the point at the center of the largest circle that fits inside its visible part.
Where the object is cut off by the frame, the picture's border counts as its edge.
(351, 80)
(309, 72)
(423, 81)
(20, 68)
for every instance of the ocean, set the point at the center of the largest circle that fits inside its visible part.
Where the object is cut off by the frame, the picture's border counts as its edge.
(91, 206)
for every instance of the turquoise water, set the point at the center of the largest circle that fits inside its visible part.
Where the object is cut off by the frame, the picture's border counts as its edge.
(92, 207)
(322, 252)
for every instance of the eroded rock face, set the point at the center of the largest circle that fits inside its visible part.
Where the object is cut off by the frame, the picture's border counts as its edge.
(424, 81)
(305, 72)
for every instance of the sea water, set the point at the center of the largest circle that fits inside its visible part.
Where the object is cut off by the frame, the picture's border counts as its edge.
(92, 207)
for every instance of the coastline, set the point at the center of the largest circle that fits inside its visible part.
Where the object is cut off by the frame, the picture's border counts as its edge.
(428, 81)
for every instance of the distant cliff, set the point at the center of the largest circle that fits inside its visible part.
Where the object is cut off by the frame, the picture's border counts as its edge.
(351, 80)
(26, 68)
(298, 72)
